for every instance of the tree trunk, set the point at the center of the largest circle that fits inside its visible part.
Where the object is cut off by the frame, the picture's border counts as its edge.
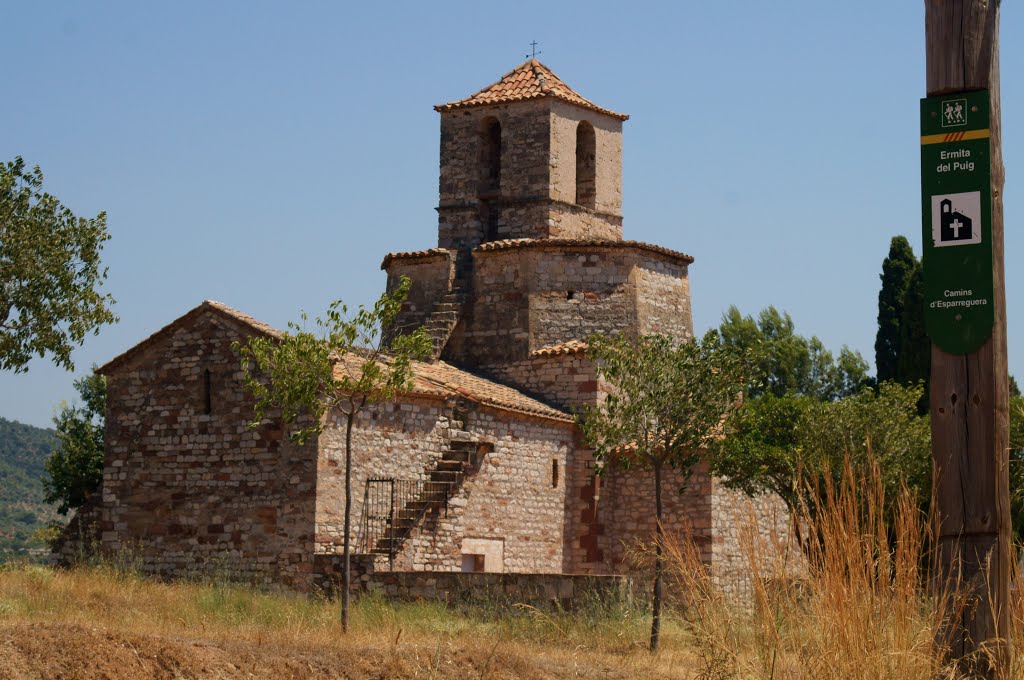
(346, 578)
(658, 560)
(969, 397)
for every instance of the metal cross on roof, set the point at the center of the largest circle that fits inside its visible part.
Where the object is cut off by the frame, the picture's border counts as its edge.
(534, 52)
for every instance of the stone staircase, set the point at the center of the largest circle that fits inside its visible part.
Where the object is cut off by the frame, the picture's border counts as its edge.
(442, 319)
(430, 497)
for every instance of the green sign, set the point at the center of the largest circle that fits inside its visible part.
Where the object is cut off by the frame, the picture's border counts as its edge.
(956, 203)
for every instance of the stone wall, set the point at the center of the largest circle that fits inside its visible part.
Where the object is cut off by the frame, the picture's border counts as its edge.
(432, 274)
(401, 439)
(543, 591)
(536, 197)
(193, 491)
(601, 222)
(80, 539)
(469, 212)
(530, 296)
(508, 498)
(752, 539)
(625, 510)
(566, 379)
(663, 299)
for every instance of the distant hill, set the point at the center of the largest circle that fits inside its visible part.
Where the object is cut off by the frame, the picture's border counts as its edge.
(23, 451)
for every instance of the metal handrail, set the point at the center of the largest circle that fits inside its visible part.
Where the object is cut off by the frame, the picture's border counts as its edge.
(392, 507)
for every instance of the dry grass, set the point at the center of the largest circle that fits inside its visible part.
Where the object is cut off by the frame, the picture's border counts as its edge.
(388, 640)
(853, 603)
(861, 606)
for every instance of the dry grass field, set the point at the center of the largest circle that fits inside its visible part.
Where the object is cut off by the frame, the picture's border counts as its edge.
(861, 608)
(106, 623)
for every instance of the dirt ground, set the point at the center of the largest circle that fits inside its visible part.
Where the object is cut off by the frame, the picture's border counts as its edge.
(71, 652)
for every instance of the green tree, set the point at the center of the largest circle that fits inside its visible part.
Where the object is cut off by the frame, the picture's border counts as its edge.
(342, 366)
(788, 362)
(760, 452)
(896, 272)
(50, 272)
(75, 469)
(782, 445)
(887, 422)
(666, 402)
(914, 362)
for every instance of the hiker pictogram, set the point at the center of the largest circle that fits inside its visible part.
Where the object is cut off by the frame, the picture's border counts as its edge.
(956, 219)
(954, 112)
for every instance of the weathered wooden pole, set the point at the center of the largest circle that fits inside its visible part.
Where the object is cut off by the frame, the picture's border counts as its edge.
(969, 398)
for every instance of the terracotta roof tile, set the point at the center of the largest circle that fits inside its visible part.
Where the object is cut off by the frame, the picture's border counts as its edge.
(440, 379)
(514, 243)
(413, 254)
(437, 379)
(529, 80)
(568, 347)
(244, 318)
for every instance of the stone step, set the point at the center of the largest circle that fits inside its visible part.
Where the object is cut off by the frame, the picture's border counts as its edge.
(445, 323)
(461, 457)
(449, 476)
(449, 465)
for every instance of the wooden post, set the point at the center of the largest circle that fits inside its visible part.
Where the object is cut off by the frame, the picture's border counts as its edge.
(969, 399)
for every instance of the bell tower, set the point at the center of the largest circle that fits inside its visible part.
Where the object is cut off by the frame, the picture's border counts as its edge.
(528, 157)
(530, 259)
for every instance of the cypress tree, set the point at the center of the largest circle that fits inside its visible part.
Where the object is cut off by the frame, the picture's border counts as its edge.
(896, 271)
(914, 363)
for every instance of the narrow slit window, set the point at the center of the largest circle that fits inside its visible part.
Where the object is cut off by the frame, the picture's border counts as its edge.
(490, 155)
(207, 392)
(554, 473)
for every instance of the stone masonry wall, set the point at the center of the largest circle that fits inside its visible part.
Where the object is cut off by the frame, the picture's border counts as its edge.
(566, 380)
(599, 223)
(543, 591)
(508, 498)
(663, 299)
(528, 298)
(625, 509)
(401, 439)
(193, 492)
(432, 277)
(537, 192)
(750, 531)
(462, 222)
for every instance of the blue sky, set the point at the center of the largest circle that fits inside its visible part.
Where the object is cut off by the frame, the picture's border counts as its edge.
(269, 154)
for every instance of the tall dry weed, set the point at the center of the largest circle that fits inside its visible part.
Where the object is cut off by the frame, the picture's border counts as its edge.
(852, 598)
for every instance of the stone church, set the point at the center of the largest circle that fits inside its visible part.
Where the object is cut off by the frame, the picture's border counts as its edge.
(479, 466)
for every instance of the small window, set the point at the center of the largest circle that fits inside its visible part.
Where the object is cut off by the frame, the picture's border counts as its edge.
(554, 473)
(207, 392)
(586, 165)
(472, 563)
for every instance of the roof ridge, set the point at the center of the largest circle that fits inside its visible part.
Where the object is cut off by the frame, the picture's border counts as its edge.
(529, 80)
(510, 243)
(212, 305)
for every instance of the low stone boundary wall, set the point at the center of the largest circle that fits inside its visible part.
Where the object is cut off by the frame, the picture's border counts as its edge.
(543, 591)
